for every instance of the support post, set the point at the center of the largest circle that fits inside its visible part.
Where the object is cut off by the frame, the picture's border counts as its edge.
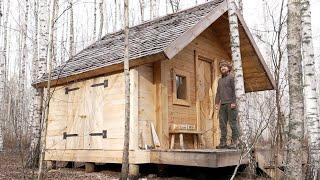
(133, 171)
(89, 167)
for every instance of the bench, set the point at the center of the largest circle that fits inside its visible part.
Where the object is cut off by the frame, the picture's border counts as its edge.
(197, 137)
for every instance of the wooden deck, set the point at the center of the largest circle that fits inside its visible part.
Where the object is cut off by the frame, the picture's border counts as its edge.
(213, 158)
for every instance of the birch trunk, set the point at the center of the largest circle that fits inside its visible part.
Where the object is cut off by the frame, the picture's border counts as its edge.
(55, 40)
(101, 18)
(94, 19)
(125, 156)
(2, 77)
(142, 7)
(3, 74)
(71, 29)
(238, 72)
(295, 134)
(310, 89)
(115, 15)
(241, 6)
(39, 62)
(47, 101)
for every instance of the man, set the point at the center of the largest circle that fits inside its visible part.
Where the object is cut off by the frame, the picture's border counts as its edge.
(226, 102)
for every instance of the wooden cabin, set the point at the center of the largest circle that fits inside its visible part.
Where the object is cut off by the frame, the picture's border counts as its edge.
(174, 73)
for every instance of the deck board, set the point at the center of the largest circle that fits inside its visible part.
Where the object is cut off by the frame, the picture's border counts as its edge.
(213, 158)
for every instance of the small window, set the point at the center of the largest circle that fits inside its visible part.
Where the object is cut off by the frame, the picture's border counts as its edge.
(180, 88)
(181, 84)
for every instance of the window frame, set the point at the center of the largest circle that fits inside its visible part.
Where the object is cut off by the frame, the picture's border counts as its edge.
(175, 100)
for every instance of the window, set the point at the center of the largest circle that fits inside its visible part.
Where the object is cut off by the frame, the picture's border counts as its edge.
(180, 88)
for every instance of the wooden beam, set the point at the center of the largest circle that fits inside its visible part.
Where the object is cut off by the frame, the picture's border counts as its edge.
(134, 108)
(110, 69)
(201, 158)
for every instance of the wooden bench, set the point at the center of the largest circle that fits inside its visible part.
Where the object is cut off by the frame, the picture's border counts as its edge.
(197, 137)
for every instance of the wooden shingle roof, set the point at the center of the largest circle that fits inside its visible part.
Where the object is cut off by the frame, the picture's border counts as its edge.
(145, 39)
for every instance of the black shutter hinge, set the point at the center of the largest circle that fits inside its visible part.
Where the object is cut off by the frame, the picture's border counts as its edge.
(103, 134)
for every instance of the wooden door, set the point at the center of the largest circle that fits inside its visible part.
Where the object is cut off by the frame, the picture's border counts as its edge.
(94, 103)
(104, 106)
(204, 100)
(76, 116)
(57, 123)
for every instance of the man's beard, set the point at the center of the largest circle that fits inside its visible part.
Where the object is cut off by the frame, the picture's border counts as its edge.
(225, 73)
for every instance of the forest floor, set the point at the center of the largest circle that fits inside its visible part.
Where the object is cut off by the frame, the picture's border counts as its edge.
(11, 169)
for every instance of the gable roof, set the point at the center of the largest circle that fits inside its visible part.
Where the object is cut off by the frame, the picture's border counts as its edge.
(163, 37)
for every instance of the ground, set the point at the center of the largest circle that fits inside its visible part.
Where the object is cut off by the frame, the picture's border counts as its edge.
(11, 169)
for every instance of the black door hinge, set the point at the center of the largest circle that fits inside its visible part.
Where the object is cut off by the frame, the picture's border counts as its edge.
(67, 90)
(65, 135)
(104, 84)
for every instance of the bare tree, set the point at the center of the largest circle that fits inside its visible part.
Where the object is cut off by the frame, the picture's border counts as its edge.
(310, 89)
(295, 134)
(142, 8)
(71, 29)
(101, 5)
(125, 156)
(55, 30)
(175, 5)
(94, 19)
(115, 15)
(2, 77)
(240, 6)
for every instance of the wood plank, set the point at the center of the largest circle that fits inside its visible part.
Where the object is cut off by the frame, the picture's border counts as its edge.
(134, 108)
(97, 156)
(198, 158)
(107, 70)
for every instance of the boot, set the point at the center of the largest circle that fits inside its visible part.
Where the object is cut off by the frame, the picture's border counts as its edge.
(235, 144)
(222, 145)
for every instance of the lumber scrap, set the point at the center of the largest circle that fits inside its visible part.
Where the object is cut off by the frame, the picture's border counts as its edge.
(155, 137)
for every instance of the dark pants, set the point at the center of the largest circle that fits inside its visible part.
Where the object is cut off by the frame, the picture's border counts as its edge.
(226, 115)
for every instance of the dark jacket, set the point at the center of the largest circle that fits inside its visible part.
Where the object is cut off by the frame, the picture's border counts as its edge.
(226, 91)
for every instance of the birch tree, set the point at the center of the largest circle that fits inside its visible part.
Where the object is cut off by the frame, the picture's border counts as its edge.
(175, 5)
(295, 134)
(101, 5)
(94, 19)
(240, 6)
(22, 74)
(55, 37)
(115, 15)
(47, 101)
(142, 7)
(238, 71)
(2, 77)
(40, 64)
(71, 29)
(125, 155)
(310, 89)
(3, 72)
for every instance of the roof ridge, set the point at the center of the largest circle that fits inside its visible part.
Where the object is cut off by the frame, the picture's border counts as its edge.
(157, 19)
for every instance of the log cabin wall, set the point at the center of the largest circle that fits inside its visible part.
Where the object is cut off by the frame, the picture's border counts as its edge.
(206, 45)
